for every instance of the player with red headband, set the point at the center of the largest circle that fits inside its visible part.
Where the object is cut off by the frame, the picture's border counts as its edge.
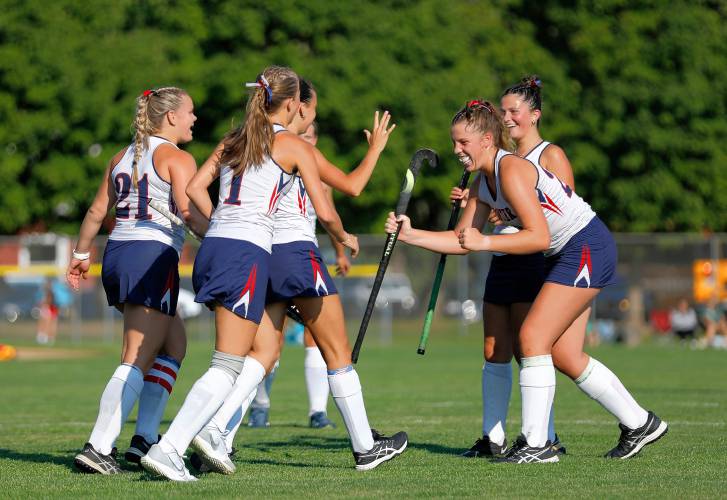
(140, 271)
(580, 259)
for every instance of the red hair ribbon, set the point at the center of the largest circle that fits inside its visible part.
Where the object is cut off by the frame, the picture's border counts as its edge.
(476, 103)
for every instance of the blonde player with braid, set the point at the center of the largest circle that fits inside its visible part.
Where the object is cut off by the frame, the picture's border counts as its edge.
(140, 271)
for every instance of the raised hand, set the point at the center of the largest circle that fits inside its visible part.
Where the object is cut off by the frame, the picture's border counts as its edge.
(380, 133)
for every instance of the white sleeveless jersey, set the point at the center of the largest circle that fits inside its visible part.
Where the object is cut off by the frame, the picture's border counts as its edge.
(565, 212)
(295, 218)
(247, 203)
(135, 219)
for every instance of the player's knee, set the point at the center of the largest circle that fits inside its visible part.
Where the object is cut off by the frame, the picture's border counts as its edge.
(532, 341)
(497, 350)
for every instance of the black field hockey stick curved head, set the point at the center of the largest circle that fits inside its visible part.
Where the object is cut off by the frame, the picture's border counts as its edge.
(412, 172)
(407, 186)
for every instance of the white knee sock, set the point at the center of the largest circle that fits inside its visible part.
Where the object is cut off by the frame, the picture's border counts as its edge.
(496, 389)
(202, 402)
(537, 386)
(603, 385)
(346, 391)
(262, 398)
(234, 424)
(117, 401)
(316, 380)
(252, 374)
(551, 423)
(158, 385)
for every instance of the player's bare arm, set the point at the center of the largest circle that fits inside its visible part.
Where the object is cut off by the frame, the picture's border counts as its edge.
(206, 175)
(353, 183)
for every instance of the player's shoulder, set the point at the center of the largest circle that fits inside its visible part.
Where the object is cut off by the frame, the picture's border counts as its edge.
(288, 142)
(288, 137)
(169, 152)
(553, 152)
(511, 161)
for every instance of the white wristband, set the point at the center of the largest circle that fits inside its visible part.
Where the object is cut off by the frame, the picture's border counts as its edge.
(81, 256)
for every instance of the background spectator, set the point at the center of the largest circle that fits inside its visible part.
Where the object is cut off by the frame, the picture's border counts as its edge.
(683, 320)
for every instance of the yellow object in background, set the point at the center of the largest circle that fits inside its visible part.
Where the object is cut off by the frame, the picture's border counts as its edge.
(710, 278)
(7, 352)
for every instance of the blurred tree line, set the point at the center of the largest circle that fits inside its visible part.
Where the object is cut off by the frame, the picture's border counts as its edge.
(635, 91)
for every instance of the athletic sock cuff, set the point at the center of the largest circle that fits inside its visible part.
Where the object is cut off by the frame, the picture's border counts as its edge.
(501, 370)
(169, 359)
(228, 363)
(587, 372)
(533, 361)
(537, 376)
(163, 372)
(339, 371)
(344, 384)
(131, 375)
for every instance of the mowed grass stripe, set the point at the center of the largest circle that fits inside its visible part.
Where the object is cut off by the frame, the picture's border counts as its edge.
(48, 408)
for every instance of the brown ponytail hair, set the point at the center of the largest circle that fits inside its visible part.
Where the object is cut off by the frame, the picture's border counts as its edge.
(252, 142)
(151, 108)
(484, 117)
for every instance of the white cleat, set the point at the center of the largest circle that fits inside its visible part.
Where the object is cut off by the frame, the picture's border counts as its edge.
(210, 446)
(166, 464)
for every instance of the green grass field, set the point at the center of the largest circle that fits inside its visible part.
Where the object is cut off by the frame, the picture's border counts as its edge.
(48, 408)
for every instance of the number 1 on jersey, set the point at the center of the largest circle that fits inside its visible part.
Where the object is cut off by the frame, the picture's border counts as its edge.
(234, 197)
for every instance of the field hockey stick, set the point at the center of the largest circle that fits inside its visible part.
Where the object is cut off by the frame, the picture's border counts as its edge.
(411, 176)
(159, 207)
(440, 270)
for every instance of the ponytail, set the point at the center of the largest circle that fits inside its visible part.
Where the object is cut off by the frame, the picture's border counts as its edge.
(252, 142)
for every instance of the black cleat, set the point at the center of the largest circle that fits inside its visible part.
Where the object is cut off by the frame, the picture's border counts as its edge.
(632, 440)
(558, 446)
(93, 462)
(377, 435)
(138, 448)
(484, 448)
(522, 453)
(385, 448)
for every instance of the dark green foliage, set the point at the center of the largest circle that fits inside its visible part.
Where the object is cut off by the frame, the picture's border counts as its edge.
(634, 93)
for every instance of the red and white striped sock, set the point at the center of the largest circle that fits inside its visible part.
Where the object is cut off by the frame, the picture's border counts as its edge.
(158, 385)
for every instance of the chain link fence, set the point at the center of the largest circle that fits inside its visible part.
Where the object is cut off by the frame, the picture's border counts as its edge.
(654, 272)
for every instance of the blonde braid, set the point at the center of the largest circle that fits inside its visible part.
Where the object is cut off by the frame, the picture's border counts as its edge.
(151, 108)
(141, 133)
